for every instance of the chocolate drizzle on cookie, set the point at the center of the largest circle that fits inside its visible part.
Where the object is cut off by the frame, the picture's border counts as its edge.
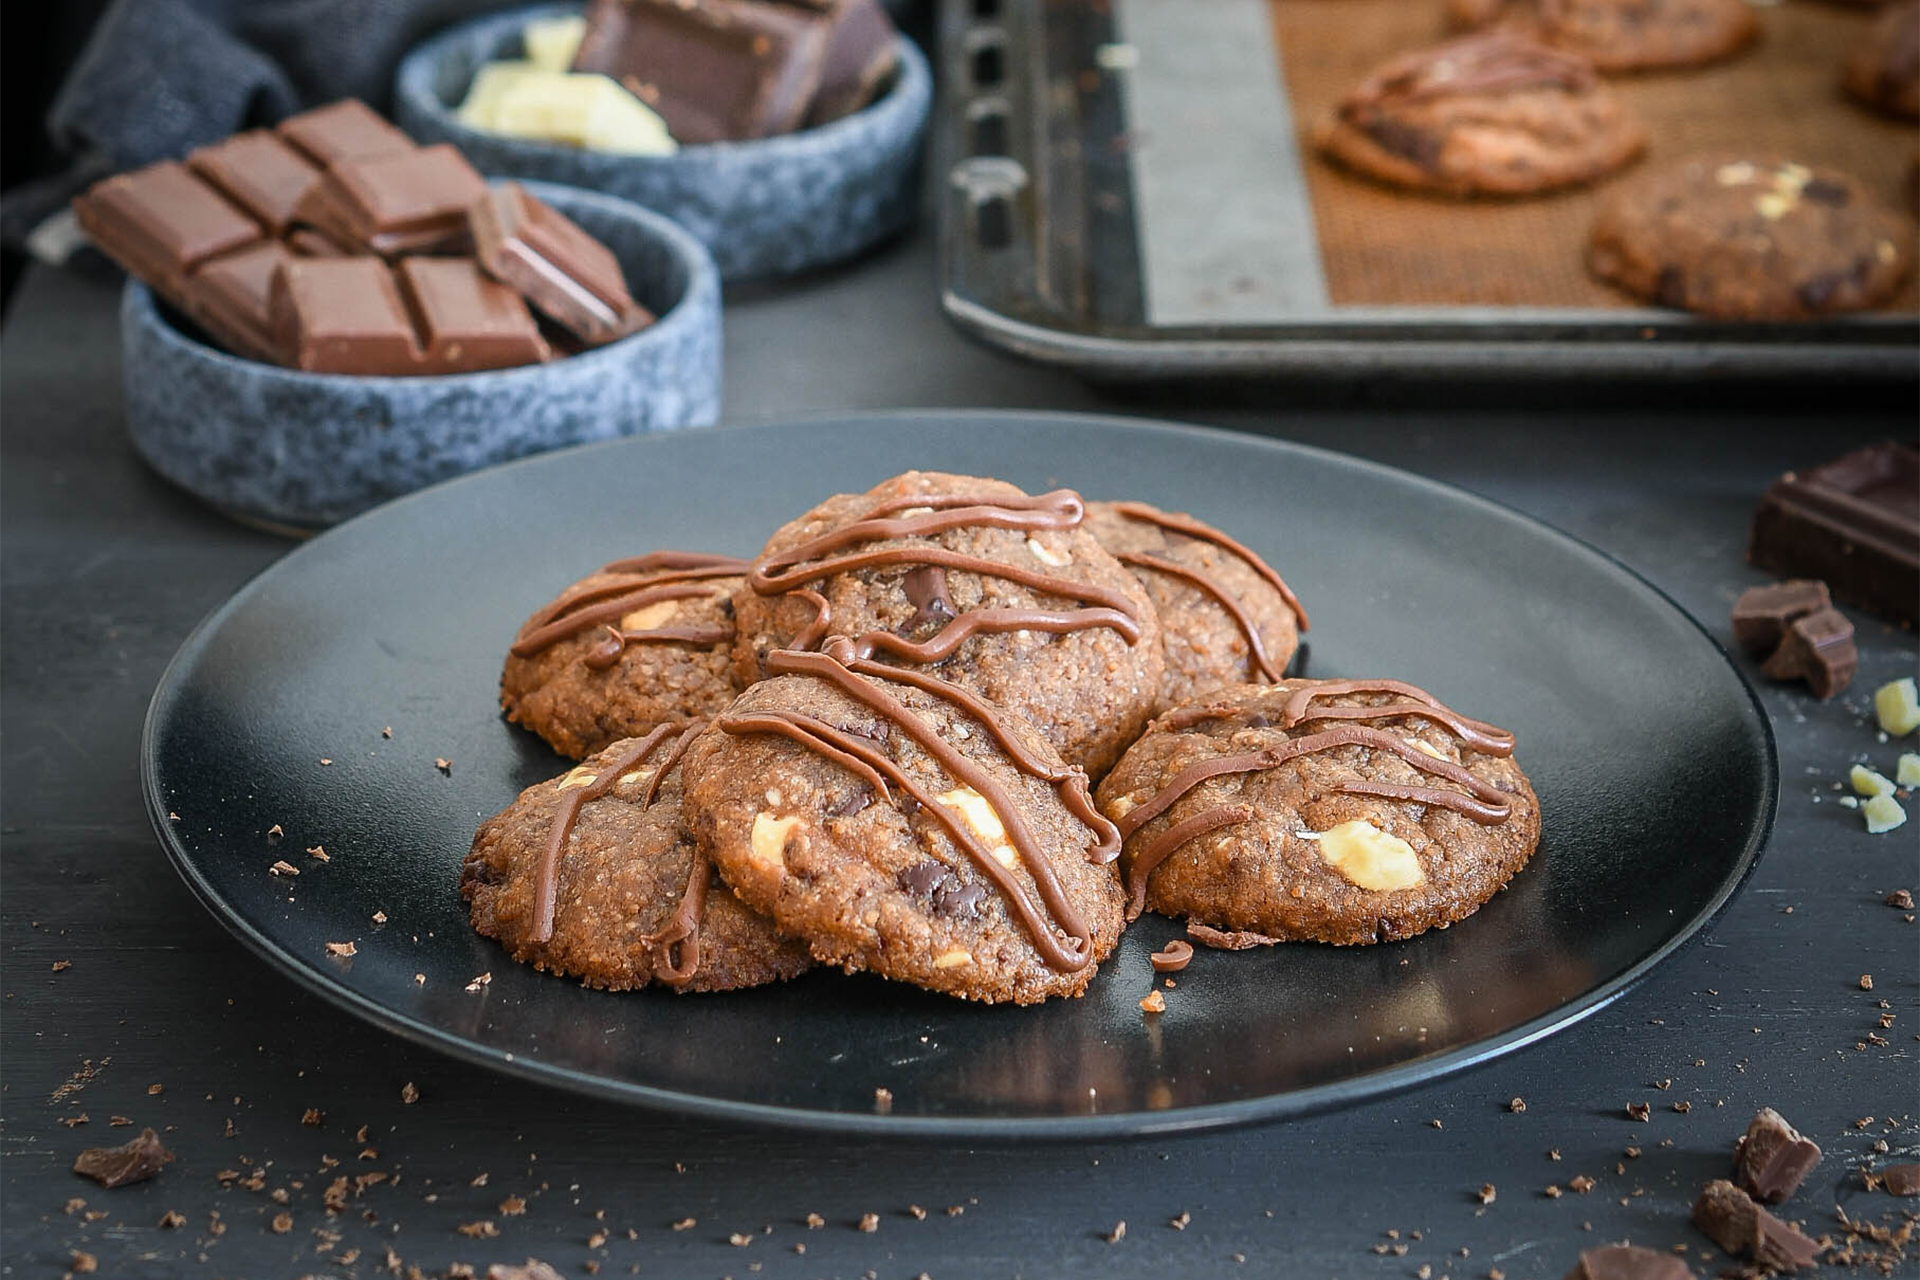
(794, 571)
(1477, 799)
(1058, 932)
(676, 947)
(638, 582)
(1187, 526)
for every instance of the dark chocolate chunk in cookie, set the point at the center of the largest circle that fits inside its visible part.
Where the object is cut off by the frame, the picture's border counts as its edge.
(643, 642)
(594, 874)
(1343, 811)
(1002, 593)
(1492, 114)
(1225, 616)
(1751, 239)
(907, 827)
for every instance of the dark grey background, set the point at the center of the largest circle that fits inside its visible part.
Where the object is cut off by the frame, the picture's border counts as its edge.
(105, 570)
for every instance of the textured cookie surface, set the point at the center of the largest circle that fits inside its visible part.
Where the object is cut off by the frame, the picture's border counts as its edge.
(1225, 615)
(1741, 237)
(1492, 114)
(595, 875)
(643, 642)
(1623, 35)
(1004, 594)
(905, 830)
(1338, 811)
(1884, 69)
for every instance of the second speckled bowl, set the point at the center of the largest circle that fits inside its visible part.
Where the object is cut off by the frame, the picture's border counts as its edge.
(768, 207)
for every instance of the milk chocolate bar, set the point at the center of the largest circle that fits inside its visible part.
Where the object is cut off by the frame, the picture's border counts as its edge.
(564, 272)
(1853, 522)
(715, 70)
(345, 130)
(432, 315)
(468, 321)
(406, 202)
(859, 57)
(231, 298)
(161, 222)
(259, 172)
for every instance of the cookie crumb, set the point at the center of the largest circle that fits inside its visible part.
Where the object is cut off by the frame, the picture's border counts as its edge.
(82, 1263)
(409, 1094)
(918, 1214)
(1154, 1002)
(479, 982)
(312, 1117)
(319, 853)
(281, 1224)
(1641, 1111)
(283, 868)
(484, 1229)
(1552, 1192)
(61, 966)
(1866, 982)
(342, 949)
(739, 1239)
(172, 1219)
(1179, 1222)
(869, 1222)
(1901, 898)
(1517, 1105)
(1581, 1183)
(444, 765)
(685, 1224)
(814, 1222)
(512, 1207)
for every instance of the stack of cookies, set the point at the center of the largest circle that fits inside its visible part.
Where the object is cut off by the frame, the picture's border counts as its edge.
(875, 746)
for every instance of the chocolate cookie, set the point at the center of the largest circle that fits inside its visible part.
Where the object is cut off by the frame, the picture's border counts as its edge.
(1623, 35)
(1746, 239)
(1001, 593)
(905, 826)
(643, 642)
(1342, 811)
(595, 875)
(1225, 615)
(1884, 69)
(1493, 114)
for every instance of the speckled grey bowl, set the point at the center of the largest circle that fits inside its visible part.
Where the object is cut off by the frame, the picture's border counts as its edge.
(298, 451)
(765, 208)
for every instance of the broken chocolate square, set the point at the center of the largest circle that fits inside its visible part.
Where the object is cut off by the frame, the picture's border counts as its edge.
(1732, 1220)
(135, 1161)
(1771, 1159)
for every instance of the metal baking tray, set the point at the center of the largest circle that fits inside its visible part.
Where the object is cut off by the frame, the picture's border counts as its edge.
(1064, 240)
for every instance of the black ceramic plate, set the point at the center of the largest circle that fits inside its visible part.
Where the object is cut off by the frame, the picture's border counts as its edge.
(1654, 766)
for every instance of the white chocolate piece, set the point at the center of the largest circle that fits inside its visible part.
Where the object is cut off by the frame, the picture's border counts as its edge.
(580, 110)
(483, 95)
(1421, 744)
(979, 815)
(953, 959)
(1883, 814)
(650, 616)
(552, 42)
(1896, 705)
(1369, 858)
(577, 777)
(770, 836)
(1044, 556)
(1868, 782)
(1907, 773)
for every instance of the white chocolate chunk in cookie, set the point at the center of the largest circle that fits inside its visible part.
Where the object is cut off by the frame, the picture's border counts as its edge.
(953, 959)
(1057, 559)
(1369, 858)
(578, 776)
(649, 617)
(979, 815)
(770, 837)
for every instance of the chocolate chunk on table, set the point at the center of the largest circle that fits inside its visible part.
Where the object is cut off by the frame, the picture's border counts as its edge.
(161, 222)
(343, 315)
(407, 202)
(1732, 1220)
(1854, 522)
(1772, 1159)
(345, 130)
(1819, 649)
(1898, 1179)
(231, 299)
(1761, 614)
(134, 1161)
(260, 172)
(1628, 1262)
(468, 321)
(564, 272)
(714, 70)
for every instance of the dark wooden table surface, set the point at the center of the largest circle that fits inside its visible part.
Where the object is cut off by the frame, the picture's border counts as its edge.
(123, 999)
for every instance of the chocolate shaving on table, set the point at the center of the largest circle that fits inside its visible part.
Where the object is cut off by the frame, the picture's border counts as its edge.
(1772, 1159)
(639, 582)
(843, 667)
(1732, 1220)
(134, 1161)
(788, 572)
(1176, 522)
(1227, 939)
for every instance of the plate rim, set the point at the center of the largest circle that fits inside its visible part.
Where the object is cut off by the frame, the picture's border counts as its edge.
(1270, 1107)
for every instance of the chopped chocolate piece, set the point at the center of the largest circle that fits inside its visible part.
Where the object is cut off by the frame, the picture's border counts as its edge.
(566, 273)
(343, 315)
(1227, 939)
(1628, 1262)
(1734, 1222)
(412, 202)
(345, 130)
(161, 222)
(1855, 522)
(1172, 958)
(534, 1269)
(1901, 898)
(1771, 1159)
(858, 59)
(231, 298)
(1818, 649)
(1900, 1179)
(135, 1161)
(259, 172)
(469, 322)
(1761, 614)
(715, 70)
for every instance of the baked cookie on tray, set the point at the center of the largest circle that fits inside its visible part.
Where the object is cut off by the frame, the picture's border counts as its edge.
(1002, 593)
(1342, 811)
(595, 875)
(1751, 238)
(643, 642)
(1622, 35)
(1493, 114)
(1883, 70)
(905, 826)
(1225, 615)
